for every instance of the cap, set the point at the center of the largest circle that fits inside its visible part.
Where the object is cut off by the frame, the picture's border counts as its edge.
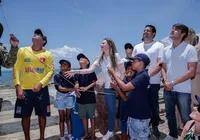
(66, 61)
(126, 64)
(1, 30)
(128, 45)
(38, 32)
(197, 98)
(44, 39)
(81, 55)
(142, 57)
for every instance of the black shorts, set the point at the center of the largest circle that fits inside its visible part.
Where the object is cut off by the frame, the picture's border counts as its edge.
(40, 101)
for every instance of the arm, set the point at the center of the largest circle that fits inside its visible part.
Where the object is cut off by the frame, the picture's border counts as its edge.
(120, 83)
(156, 69)
(121, 70)
(118, 90)
(16, 74)
(188, 75)
(64, 89)
(8, 58)
(50, 71)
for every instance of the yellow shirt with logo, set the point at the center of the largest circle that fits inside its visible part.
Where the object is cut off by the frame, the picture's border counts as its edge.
(33, 67)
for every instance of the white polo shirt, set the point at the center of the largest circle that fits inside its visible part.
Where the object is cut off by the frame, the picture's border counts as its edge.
(153, 50)
(104, 64)
(176, 60)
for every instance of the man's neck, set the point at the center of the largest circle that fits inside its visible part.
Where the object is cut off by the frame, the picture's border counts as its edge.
(36, 48)
(147, 41)
(176, 43)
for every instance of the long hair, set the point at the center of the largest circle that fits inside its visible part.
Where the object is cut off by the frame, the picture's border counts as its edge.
(1, 29)
(112, 51)
(192, 36)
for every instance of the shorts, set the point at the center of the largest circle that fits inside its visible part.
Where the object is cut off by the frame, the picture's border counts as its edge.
(64, 100)
(40, 101)
(138, 129)
(86, 111)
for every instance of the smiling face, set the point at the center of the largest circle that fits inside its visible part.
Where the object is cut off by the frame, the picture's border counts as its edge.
(105, 46)
(37, 41)
(148, 34)
(83, 62)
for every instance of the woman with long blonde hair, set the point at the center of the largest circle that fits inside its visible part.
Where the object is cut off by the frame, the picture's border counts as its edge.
(108, 58)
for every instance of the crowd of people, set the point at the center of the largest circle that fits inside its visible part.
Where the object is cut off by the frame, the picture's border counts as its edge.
(134, 81)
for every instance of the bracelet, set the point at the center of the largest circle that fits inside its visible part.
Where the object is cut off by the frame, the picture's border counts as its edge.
(173, 83)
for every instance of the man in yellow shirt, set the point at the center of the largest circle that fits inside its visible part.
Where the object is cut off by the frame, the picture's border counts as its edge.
(31, 73)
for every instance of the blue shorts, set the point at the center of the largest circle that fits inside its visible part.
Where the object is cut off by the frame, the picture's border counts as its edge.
(40, 101)
(138, 129)
(65, 100)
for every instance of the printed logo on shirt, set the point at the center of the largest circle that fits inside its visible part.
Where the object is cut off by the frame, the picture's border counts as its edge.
(42, 60)
(34, 69)
(48, 108)
(27, 60)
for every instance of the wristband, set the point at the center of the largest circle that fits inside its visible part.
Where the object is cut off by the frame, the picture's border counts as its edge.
(173, 83)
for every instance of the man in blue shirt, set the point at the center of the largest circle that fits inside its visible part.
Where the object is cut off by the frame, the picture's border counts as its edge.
(138, 104)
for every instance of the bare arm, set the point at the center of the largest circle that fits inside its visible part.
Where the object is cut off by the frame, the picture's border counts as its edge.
(64, 89)
(189, 74)
(118, 90)
(156, 69)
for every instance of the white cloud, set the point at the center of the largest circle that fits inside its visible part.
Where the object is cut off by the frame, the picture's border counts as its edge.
(65, 51)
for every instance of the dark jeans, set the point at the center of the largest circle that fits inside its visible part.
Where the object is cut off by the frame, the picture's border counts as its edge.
(183, 101)
(153, 93)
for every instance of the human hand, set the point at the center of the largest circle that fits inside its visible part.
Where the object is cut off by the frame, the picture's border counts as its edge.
(83, 89)
(13, 41)
(37, 87)
(69, 74)
(19, 92)
(168, 86)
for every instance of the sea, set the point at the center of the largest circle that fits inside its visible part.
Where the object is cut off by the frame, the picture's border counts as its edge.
(7, 80)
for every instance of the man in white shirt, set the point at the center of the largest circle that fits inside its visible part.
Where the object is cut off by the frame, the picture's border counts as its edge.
(154, 50)
(179, 63)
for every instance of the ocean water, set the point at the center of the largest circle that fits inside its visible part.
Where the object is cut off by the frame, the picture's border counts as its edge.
(7, 80)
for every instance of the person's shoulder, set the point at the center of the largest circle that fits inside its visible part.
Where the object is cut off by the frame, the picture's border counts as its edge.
(168, 47)
(138, 45)
(57, 75)
(159, 44)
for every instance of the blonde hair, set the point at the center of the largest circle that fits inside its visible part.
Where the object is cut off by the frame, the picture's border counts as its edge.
(192, 37)
(113, 51)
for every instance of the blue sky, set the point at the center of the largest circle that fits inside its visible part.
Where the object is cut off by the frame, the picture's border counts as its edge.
(71, 30)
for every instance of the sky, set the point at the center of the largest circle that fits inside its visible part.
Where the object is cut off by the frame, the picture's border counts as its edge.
(79, 26)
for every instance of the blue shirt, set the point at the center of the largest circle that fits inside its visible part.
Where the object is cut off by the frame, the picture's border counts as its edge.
(60, 80)
(138, 104)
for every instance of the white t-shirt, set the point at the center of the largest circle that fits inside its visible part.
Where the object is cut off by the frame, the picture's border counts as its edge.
(176, 60)
(154, 50)
(104, 64)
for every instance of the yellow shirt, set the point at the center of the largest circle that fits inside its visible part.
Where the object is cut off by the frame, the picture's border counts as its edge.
(33, 67)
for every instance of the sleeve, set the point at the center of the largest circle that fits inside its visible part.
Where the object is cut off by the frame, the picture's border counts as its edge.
(139, 81)
(57, 81)
(8, 58)
(160, 52)
(50, 70)
(93, 77)
(119, 59)
(192, 55)
(17, 67)
(76, 77)
(134, 51)
(163, 58)
(96, 62)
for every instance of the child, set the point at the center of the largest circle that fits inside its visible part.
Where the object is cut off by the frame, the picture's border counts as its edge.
(138, 105)
(64, 99)
(86, 100)
(123, 115)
